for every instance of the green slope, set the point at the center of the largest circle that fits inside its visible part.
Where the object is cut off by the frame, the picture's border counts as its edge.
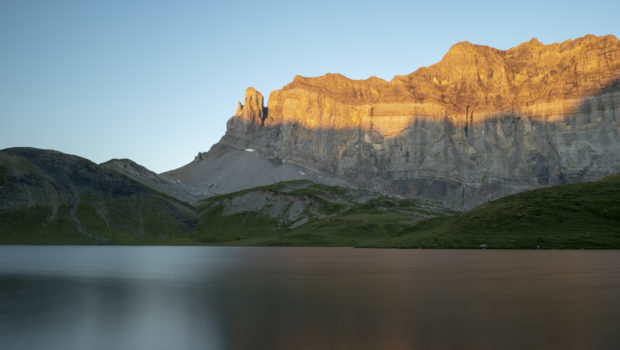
(585, 215)
(47, 197)
(303, 213)
(380, 217)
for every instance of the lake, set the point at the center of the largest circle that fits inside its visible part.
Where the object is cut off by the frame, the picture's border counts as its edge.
(118, 297)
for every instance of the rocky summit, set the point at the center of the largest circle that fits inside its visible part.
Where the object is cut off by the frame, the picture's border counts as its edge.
(480, 124)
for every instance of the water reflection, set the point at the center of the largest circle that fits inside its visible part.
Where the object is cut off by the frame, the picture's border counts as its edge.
(306, 298)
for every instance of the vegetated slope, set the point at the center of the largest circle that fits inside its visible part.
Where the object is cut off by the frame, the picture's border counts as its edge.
(585, 215)
(304, 213)
(47, 197)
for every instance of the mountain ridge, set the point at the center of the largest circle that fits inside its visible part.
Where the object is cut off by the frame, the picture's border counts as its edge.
(480, 124)
(475, 76)
(363, 157)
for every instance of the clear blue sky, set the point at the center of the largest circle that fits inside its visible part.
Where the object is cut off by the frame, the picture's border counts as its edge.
(156, 81)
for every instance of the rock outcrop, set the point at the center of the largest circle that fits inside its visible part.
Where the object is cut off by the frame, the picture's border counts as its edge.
(251, 113)
(480, 124)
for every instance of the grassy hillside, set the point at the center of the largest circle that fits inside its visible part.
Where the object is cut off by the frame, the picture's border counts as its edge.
(585, 215)
(303, 213)
(380, 217)
(47, 197)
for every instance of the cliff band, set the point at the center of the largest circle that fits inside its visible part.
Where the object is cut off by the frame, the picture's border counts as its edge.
(480, 124)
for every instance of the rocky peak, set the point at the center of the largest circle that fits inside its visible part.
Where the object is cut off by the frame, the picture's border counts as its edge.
(202, 155)
(252, 110)
(463, 48)
(533, 42)
(465, 53)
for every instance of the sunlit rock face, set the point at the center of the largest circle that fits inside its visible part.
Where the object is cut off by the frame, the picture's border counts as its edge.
(480, 124)
(250, 114)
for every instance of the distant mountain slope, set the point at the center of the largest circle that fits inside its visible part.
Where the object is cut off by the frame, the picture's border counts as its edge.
(585, 215)
(51, 197)
(145, 176)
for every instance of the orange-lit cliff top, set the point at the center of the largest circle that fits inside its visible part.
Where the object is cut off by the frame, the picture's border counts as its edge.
(469, 85)
(486, 78)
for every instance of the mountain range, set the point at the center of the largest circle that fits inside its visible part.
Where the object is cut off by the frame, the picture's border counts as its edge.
(335, 161)
(479, 125)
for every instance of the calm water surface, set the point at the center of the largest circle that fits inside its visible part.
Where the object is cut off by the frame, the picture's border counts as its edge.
(306, 298)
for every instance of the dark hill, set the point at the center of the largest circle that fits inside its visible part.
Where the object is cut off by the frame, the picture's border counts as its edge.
(50, 197)
(585, 215)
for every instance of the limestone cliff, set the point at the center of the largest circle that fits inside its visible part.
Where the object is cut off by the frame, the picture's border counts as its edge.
(480, 124)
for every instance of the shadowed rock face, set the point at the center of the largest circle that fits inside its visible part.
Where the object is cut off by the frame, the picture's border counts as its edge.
(480, 124)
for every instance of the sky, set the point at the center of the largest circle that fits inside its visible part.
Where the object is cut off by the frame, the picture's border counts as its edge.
(156, 81)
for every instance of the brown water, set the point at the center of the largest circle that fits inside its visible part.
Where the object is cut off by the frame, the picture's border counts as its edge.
(307, 298)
